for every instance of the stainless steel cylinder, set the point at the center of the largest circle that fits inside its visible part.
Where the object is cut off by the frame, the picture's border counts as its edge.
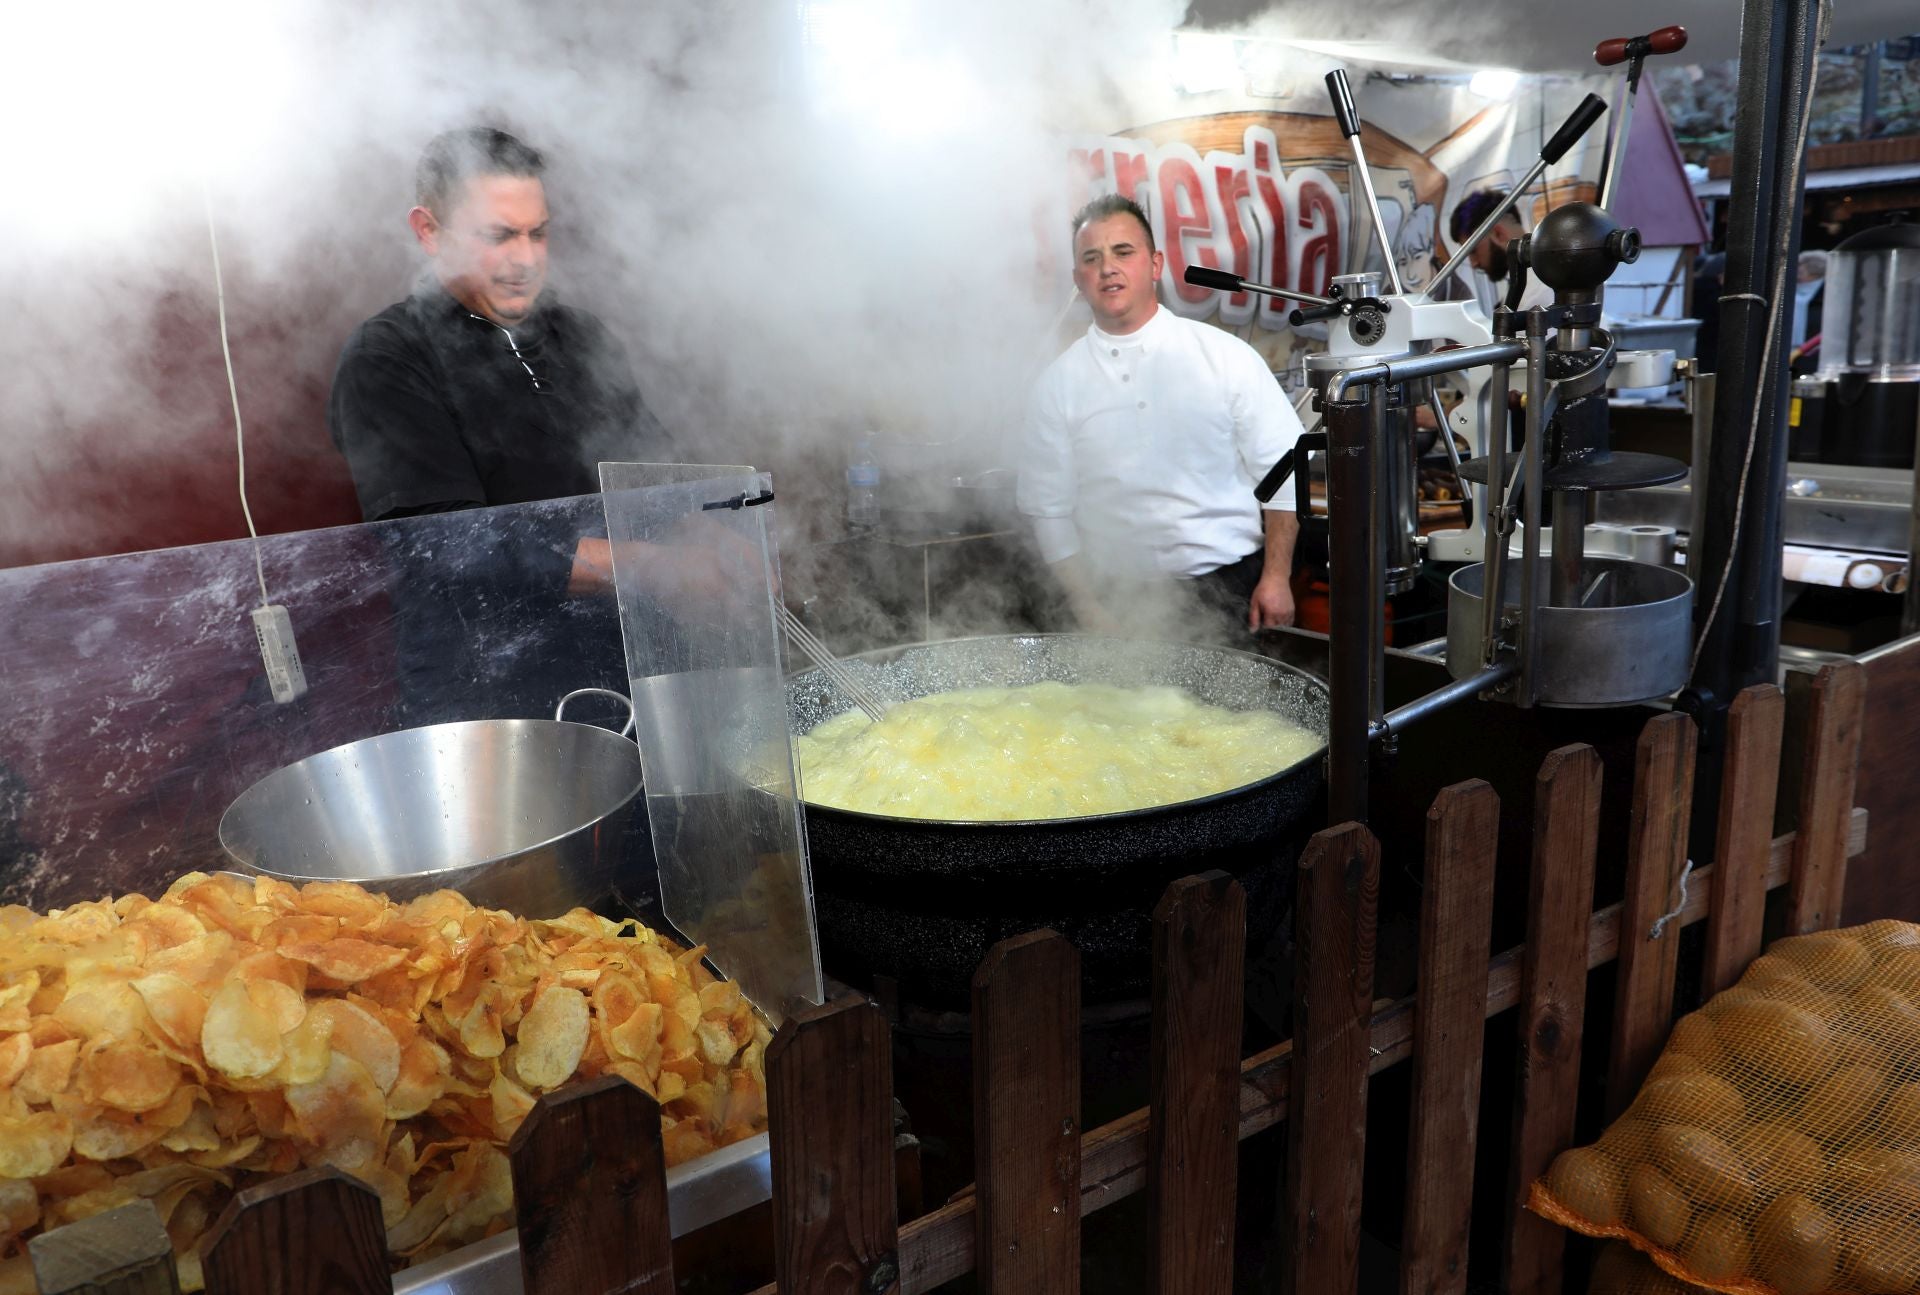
(1398, 491)
(1629, 641)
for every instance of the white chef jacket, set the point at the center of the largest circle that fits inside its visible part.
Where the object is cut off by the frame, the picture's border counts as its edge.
(1143, 451)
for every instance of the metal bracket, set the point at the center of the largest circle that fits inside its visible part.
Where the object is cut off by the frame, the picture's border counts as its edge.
(739, 501)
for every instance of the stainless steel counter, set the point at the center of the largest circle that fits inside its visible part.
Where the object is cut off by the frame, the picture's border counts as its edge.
(1825, 507)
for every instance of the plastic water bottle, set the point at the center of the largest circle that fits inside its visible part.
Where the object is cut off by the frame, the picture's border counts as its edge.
(863, 487)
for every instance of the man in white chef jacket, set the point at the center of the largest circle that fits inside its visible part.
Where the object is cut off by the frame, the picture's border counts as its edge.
(1142, 446)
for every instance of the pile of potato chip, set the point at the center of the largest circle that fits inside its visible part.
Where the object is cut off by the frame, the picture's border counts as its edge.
(237, 1029)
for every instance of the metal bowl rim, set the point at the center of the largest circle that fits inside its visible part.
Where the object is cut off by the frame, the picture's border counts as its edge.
(457, 870)
(1117, 816)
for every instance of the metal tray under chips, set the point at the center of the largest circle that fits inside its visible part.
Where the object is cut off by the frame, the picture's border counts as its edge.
(703, 1191)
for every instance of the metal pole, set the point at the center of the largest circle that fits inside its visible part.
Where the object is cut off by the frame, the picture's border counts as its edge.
(1533, 472)
(1382, 458)
(1497, 528)
(1401, 718)
(1738, 566)
(1569, 546)
(1617, 145)
(1424, 366)
(1349, 614)
(1361, 169)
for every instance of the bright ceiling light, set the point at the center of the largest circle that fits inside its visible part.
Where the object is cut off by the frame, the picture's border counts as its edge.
(1495, 83)
(866, 61)
(1202, 64)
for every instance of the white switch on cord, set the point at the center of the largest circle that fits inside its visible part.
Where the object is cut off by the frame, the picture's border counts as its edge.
(274, 628)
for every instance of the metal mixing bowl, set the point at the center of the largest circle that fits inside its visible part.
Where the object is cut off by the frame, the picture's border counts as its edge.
(520, 814)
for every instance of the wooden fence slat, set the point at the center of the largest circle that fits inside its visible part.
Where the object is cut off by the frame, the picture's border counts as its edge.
(1336, 904)
(1656, 857)
(1828, 764)
(1026, 1104)
(1193, 1144)
(590, 1193)
(938, 1247)
(1748, 788)
(124, 1251)
(1553, 996)
(830, 1130)
(1449, 1029)
(315, 1232)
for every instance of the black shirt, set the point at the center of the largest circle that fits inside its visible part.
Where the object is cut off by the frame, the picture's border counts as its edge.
(436, 407)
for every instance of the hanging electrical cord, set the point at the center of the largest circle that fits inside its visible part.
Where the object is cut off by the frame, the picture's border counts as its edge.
(233, 389)
(272, 626)
(1766, 362)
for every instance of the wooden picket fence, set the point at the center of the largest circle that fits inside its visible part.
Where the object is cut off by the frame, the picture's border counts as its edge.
(589, 1176)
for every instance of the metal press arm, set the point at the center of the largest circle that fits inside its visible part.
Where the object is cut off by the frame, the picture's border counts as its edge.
(1201, 276)
(1349, 118)
(1633, 51)
(1563, 139)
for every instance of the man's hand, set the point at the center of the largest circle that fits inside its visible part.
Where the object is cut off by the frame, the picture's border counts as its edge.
(1272, 602)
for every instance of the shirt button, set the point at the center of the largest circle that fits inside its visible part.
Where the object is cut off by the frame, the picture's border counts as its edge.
(1143, 404)
(1116, 350)
(1126, 377)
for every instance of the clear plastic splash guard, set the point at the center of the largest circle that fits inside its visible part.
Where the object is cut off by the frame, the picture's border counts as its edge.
(695, 565)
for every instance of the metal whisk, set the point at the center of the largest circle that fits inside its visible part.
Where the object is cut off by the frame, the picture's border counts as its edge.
(830, 665)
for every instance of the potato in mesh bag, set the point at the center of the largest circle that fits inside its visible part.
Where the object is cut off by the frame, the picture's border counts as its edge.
(1775, 1147)
(1622, 1270)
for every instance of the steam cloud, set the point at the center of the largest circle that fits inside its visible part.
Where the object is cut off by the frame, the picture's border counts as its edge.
(802, 219)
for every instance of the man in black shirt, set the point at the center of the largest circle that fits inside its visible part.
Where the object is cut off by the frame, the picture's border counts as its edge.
(480, 388)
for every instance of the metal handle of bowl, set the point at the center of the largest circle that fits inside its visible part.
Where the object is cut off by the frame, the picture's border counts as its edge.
(559, 711)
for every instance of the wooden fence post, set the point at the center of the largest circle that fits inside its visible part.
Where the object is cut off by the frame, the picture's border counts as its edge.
(590, 1193)
(1817, 892)
(1553, 997)
(1026, 1116)
(830, 1130)
(124, 1251)
(1656, 857)
(1449, 1030)
(1193, 1134)
(1745, 837)
(315, 1232)
(1335, 929)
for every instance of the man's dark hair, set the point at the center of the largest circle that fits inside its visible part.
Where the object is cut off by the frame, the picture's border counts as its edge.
(1112, 204)
(452, 159)
(1473, 209)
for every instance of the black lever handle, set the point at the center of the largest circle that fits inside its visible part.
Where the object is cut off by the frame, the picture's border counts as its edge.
(1270, 484)
(1342, 95)
(1574, 127)
(1201, 276)
(1276, 477)
(1520, 257)
(1313, 314)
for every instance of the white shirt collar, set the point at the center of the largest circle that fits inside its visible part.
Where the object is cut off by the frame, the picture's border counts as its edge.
(1137, 337)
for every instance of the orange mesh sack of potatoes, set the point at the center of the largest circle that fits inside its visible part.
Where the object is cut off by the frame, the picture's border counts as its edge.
(234, 1030)
(1622, 1270)
(1775, 1147)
